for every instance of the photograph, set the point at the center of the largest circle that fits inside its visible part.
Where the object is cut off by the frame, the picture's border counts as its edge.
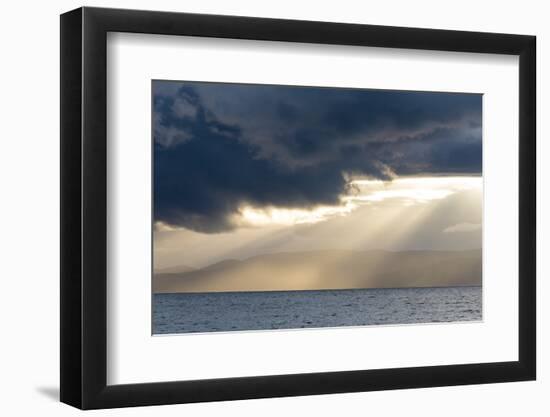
(291, 207)
(300, 203)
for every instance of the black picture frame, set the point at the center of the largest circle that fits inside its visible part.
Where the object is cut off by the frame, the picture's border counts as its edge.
(84, 207)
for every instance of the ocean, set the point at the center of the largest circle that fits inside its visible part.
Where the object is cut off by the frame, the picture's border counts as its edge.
(236, 311)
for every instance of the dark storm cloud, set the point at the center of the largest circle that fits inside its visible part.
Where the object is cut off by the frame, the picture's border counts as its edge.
(219, 146)
(441, 151)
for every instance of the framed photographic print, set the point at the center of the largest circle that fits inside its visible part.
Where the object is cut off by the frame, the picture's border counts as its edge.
(258, 207)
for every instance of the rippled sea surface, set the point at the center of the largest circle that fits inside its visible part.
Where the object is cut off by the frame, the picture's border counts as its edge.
(212, 312)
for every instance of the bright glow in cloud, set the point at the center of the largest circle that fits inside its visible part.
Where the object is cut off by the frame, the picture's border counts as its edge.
(411, 189)
(266, 216)
(404, 191)
(163, 227)
(418, 195)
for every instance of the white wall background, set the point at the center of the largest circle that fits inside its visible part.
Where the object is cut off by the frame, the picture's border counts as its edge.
(29, 238)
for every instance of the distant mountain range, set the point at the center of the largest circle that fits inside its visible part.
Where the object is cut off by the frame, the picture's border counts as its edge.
(327, 269)
(179, 269)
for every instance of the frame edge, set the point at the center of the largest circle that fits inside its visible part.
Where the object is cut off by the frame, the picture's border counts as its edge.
(70, 213)
(528, 207)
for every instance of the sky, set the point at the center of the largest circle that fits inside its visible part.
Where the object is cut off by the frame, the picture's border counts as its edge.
(242, 170)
